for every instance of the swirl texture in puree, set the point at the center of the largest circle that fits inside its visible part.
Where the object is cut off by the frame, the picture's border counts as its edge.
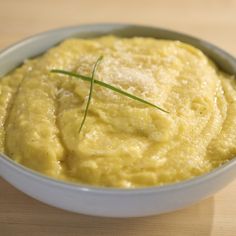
(123, 143)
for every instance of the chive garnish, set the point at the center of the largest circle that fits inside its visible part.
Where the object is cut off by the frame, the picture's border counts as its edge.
(90, 93)
(108, 86)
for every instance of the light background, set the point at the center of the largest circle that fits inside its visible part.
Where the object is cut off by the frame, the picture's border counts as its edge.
(212, 20)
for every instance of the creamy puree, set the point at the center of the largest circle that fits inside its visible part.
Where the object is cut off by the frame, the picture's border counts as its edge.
(123, 143)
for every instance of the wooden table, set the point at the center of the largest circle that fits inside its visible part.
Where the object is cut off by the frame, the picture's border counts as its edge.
(214, 21)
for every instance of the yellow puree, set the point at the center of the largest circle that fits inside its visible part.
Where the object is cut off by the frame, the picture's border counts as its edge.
(123, 142)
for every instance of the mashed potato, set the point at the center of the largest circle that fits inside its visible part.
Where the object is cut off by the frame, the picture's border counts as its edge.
(123, 143)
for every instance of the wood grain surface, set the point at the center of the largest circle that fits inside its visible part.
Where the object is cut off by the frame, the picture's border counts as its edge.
(212, 20)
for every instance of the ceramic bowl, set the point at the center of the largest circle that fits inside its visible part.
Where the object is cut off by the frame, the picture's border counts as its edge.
(112, 202)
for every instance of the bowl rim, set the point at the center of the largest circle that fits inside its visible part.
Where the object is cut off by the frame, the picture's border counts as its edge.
(111, 190)
(208, 47)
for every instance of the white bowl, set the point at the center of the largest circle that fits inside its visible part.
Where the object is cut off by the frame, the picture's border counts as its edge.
(109, 201)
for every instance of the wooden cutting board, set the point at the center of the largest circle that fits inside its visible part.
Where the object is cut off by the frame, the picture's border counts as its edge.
(214, 21)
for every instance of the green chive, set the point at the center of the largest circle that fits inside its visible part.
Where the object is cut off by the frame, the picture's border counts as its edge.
(90, 93)
(108, 86)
